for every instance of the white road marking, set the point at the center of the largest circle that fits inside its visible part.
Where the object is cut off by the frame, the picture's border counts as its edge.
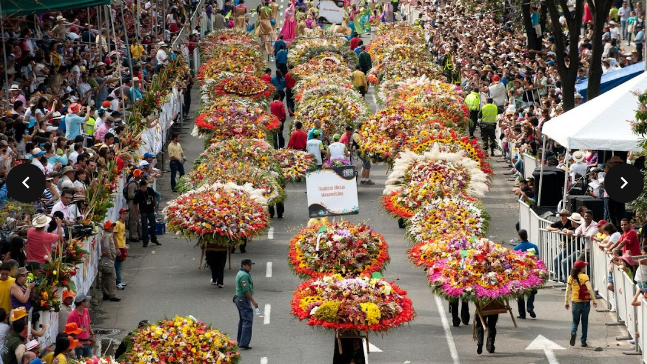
(374, 349)
(448, 331)
(365, 351)
(266, 318)
(270, 234)
(268, 270)
(264, 360)
(542, 343)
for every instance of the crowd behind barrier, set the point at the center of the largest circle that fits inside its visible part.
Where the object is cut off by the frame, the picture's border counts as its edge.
(628, 309)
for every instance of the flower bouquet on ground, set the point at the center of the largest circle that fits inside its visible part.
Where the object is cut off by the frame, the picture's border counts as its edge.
(234, 59)
(316, 39)
(181, 340)
(247, 86)
(451, 173)
(405, 202)
(255, 152)
(344, 91)
(448, 215)
(238, 173)
(294, 163)
(407, 68)
(403, 52)
(360, 304)
(429, 252)
(218, 214)
(486, 272)
(218, 38)
(448, 140)
(384, 89)
(227, 114)
(340, 247)
(315, 81)
(342, 53)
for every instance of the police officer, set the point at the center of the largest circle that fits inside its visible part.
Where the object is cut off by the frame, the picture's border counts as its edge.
(244, 299)
(488, 115)
(473, 102)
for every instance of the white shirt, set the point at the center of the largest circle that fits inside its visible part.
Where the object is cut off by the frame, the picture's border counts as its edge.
(498, 94)
(38, 164)
(337, 151)
(73, 156)
(314, 146)
(587, 232)
(64, 209)
(578, 168)
(161, 56)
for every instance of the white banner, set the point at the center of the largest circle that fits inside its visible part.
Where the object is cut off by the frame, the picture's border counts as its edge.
(153, 138)
(332, 192)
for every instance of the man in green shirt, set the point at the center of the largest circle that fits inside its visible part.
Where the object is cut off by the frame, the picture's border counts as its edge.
(244, 300)
(14, 343)
(365, 63)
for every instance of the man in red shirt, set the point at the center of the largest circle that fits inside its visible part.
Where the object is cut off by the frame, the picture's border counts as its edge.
(347, 137)
(267, 77)
(289, 85)
(39, 242)
(354, 41)
(299, 138)
(629, 239)
(81, 317)
(277, 108)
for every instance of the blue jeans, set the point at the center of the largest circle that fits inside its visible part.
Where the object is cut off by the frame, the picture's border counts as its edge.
(581, 311)
(176, 166)
(521, 303)
(118, 265)
(565, 262)
(245, 321)
(83, 350)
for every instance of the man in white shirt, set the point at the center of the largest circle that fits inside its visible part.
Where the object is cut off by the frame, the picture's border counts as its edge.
(498, 93)
(337, 150)
(66, 181)
(315, 147)
(161, 57)
(78, 149)
(579, 167)
(37, 159)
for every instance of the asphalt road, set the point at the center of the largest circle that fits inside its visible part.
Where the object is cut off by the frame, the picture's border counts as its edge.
(165, 281)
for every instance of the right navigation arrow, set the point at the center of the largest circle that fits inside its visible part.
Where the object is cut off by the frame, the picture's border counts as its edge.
(625, 182)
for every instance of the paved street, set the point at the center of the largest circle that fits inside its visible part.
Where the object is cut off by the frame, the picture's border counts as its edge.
(165, 281)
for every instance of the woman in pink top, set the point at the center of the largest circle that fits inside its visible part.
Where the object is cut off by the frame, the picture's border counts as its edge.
(587, 14)
(290, 24)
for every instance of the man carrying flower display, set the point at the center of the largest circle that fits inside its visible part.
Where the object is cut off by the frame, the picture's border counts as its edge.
(316, 148)
(464, 313)
(244, 300)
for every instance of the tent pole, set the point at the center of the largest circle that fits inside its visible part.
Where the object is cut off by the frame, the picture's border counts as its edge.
(100, 29)
(566, 161)
(107, 14)
(118, 68)
(541, 169)
(138, 24)
(4, 52)
(123, 21)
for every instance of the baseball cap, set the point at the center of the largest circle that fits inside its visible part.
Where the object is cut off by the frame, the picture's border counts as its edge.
(336, 137)
(122, 210)
(316, 132)
(149, 155)
(601, 223)
(81, 298)
(580, 264)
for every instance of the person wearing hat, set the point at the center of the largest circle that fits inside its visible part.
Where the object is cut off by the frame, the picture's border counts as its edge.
(578, 169)
(560, 261)
(488, 116)
(315, 147)
(563, 223)
(135, 93)
(244, 300)
(107, 263)
(337, 150)
(145, 203)
(473, 103)
(39, 159)
(161, 56)
(81, 317)
(498, 93)
(134, 222)
(39, 242)
(581, 294)
(21, 291)
(32, 351)
(120, 245)
(67, 181)
(66, 308)
(64, 345)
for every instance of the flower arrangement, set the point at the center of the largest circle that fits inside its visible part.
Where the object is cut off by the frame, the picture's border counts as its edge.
(429, 252)
(181, 340)
(238, 173)
(360, 303)
(300, 49)
(329, 164)
(314, 81)
(254, 152)
(424, 90)
(451, 173)
(340, 247)
(383, 90)
(403, 52)
(294, 163)
(447, 215)
(235, 59)
(219, 37)
(326, 66)
(343, 90)
(248, 86)
(218, 214)
(405, 202)
(225, 115)
(407, 68)
(239, 131)
(100, 194)
(335, 113)
(486, 272)
(341, 52)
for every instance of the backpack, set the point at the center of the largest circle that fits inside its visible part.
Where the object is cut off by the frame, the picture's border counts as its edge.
(125, 190)
(583, 294)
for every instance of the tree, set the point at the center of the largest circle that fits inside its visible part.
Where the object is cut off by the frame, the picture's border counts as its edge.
(567, 62)
(599, 10)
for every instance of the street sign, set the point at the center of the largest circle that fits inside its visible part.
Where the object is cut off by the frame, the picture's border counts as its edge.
(332, 192)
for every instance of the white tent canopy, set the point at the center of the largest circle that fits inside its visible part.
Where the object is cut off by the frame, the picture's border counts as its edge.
(602, 123)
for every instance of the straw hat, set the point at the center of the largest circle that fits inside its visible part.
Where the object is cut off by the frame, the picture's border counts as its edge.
(17, 313)
(40, 221)
(578, 156)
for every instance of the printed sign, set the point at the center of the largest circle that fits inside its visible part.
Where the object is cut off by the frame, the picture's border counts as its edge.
(332, 192)
(331, 11)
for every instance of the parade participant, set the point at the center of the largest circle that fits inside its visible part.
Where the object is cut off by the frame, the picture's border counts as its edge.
(298, 138)
(315, 147)
(316, 127)
(120, 245)
(177, 158)
(277, 108)
(580, 292)
(337, 150)
(244, 299)
(240, 12)
(528, 247)
(365, 173)
(81, 316)
(107, 263)
(264, 28)
(473, 102)
(359, 80)
(490, 322)
(464, 314)
(289, 23)
(488, 115)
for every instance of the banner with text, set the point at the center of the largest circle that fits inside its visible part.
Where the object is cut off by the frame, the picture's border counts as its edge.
(332, 192)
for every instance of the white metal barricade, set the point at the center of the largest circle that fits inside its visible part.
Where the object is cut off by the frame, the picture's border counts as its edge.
(529, 164)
